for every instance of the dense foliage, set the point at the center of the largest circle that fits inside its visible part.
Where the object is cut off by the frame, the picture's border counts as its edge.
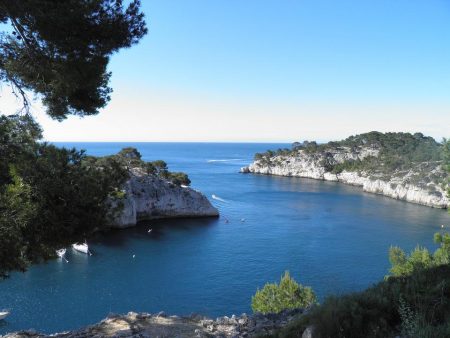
(288, 294)
(130, 158)
(416, 306)
(414, 302)
(397, 151)
(61, 49)
(420, 258)
(51, 197)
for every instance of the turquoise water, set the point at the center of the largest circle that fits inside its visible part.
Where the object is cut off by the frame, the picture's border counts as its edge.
(332, 237)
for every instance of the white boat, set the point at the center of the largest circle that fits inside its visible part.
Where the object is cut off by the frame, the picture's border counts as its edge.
(4, 314)
(81, 247)
(61, 252)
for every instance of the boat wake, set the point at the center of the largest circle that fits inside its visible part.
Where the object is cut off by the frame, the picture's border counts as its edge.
(225, 160)
(217, 198)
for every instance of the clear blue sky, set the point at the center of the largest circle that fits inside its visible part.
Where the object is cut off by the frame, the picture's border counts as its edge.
(267, 70)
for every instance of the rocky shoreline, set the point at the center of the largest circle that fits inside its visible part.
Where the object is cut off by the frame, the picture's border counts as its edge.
(417, 185)
(149, 197)
(161, 325)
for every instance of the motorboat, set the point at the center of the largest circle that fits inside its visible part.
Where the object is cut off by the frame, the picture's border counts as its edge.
(61, 252)
(4, 314)
(81, 247)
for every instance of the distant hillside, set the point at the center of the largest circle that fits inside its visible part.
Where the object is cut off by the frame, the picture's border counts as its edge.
(391, 151)
(400, 165)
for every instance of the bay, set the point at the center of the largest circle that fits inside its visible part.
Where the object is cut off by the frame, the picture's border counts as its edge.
(332, 237)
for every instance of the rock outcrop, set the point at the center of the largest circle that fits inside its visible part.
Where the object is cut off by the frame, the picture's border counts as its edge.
(423, 184)
(161, 325)
(150, 197)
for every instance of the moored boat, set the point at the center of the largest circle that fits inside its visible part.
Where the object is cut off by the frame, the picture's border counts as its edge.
(4, 314)
(81, 247)
(61, 252)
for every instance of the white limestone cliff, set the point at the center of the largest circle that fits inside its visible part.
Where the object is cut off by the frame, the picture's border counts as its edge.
(149, 197)
(421, 185)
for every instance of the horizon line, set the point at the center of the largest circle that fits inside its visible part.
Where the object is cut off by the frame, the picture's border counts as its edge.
(249, 142)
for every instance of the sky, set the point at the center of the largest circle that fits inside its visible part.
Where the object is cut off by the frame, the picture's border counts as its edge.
(274, 71)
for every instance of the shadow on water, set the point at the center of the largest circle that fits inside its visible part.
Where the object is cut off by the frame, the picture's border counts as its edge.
(159, 229)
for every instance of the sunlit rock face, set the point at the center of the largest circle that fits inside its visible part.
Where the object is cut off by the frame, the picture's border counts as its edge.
(423, 184)
(149, 197)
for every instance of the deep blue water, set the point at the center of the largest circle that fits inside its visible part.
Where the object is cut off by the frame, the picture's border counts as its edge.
(332, 237)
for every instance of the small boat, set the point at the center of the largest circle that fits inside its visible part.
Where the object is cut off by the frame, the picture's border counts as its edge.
(4, 314)
(81, 247)
(61, 252)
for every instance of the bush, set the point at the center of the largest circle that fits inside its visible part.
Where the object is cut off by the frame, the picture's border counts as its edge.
(179, 178)
(420, 258)
(413, 301)
(288, 294)
(419, 302)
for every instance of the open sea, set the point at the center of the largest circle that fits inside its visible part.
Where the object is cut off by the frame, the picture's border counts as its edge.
(332, 237)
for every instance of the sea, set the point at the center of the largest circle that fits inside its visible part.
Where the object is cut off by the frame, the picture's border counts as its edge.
(330, 236)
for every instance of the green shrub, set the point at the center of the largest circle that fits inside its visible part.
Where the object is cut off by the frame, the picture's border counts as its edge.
(413, 301)
(288, 294)
(378, 311)
(179, 178)
(419, 258)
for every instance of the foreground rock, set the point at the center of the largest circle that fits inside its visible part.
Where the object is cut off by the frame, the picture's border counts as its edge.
(424, 183)
(160, 325)
(149, 197)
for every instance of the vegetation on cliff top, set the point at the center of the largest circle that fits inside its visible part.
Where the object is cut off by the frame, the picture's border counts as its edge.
(397, 151)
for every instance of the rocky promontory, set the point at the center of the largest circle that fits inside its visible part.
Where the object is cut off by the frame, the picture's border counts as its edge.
(160, 325)
(398, 165)
(150, 197)
(147, 190)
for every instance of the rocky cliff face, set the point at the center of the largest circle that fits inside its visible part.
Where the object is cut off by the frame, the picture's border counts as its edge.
(423, 184)
(149, 197)
(161, 325)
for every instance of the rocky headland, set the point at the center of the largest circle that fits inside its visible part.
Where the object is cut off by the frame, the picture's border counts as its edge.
(160, 325)
(148, 190)
(398, 165)
(149, 197)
